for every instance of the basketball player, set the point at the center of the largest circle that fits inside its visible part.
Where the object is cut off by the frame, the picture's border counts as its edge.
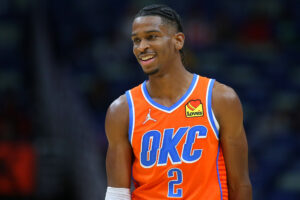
(178, 135)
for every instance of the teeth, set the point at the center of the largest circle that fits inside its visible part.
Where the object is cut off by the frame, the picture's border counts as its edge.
(146, 58)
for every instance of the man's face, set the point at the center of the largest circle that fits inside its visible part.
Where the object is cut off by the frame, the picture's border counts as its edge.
(153, 43)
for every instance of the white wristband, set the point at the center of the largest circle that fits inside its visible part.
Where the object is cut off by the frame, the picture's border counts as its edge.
(113, 193)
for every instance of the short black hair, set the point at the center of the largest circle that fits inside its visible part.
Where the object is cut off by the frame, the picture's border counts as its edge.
(167, 14)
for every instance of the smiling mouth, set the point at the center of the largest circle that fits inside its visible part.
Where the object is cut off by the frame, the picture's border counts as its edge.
(146, 58)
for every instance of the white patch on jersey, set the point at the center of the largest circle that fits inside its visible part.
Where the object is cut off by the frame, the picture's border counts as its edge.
(148, 117)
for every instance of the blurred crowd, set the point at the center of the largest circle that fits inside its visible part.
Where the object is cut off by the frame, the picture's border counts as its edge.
(63, 62)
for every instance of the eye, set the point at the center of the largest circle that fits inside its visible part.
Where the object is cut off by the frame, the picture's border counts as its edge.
(136, 40)
(152, 37)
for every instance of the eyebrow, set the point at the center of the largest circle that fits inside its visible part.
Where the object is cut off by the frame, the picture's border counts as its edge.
(150, 31)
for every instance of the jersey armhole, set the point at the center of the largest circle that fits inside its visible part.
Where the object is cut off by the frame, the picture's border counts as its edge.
(210, 114)
(131, 115)
(215, 120)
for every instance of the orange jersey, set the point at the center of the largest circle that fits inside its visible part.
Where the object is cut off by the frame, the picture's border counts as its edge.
(177, 153)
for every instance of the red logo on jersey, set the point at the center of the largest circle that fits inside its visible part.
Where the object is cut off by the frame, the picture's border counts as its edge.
(194, 108)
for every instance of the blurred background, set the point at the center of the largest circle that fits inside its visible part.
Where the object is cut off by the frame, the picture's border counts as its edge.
(62, 62)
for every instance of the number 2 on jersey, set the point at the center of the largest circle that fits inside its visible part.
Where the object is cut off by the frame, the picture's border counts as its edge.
(175, 172)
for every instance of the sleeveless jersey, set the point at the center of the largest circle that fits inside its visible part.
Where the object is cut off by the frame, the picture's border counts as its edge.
(177, 154)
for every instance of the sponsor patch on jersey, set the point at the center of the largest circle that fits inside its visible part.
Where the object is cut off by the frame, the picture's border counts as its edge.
(194, 108)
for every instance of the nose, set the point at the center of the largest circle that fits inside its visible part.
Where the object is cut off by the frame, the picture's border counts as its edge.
(143, 46)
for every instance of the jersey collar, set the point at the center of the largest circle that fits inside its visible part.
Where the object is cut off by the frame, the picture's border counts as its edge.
(177, 104)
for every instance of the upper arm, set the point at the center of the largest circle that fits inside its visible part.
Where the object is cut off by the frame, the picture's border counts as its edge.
(119, 153)
(228, 110)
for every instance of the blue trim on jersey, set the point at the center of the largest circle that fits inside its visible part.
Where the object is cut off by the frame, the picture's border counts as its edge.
(130, 105)
(209, 108)
(174, 105)
(219, 173)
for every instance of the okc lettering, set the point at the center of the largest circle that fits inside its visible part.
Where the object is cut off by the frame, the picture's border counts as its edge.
(152, 153)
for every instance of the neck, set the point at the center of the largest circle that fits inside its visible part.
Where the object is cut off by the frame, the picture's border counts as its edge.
(168, 88)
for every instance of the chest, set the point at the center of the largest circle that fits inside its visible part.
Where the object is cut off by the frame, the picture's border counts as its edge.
(171, 138)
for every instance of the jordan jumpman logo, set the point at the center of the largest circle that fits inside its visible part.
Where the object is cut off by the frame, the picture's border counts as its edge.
(148, 117)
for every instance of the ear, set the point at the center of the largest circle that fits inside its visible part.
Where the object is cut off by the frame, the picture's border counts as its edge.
(179, 40)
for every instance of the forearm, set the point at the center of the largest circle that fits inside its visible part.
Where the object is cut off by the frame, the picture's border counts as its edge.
(240, 192)
(118, 166)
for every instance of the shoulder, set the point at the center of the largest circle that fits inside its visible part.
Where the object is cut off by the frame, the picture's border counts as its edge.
(225, 102)
(118, 105)
(222, 92)
(117, 116)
